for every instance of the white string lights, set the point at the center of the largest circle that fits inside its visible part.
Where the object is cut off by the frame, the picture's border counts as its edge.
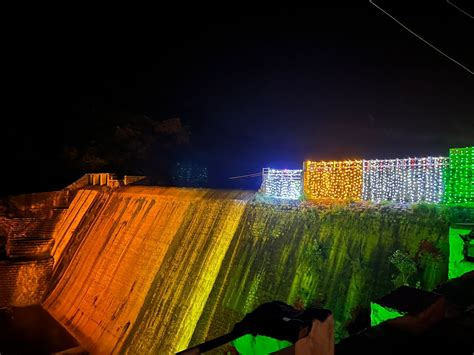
(404, 180)
(282, 183)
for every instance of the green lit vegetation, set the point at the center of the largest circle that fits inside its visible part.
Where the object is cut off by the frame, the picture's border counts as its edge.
(406, 267)
(330, 255)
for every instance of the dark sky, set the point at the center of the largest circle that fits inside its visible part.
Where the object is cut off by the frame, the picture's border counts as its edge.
(268, 86)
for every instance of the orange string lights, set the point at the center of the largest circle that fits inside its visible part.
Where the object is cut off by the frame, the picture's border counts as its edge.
(333, 179)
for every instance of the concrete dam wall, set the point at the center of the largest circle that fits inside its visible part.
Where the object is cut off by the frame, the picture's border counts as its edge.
(155, 270)
(140, 254)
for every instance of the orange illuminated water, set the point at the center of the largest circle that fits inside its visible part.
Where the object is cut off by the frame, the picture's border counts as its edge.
(143, 247)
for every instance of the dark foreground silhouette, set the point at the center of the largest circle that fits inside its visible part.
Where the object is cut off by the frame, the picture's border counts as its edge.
(31, 330)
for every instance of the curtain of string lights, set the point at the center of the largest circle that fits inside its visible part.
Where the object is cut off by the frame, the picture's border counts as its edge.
(411, 180)
(404, 180)
(282, 183)
(460, 179)
(333, 179)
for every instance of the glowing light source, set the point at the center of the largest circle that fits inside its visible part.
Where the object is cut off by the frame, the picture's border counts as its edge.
(259, 344)
(458, 263)
(408, 180)
(281, 183)
(460, 180)
(333, 179)
(379, 314)
(404, 180)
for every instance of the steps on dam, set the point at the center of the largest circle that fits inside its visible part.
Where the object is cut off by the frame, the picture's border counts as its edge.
(27, 226)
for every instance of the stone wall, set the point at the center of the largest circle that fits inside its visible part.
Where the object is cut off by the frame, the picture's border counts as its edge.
(24, 283)
(26, 243)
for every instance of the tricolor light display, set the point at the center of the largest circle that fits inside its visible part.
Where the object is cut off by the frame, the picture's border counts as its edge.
(333, 179)
(404, 180)
(460, 179)
(282, 183)
(411, 180)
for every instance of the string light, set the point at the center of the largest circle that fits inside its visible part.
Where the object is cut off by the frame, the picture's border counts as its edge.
(404, 180)
(282, 183)
(460, 180)
(408, 180)
(333, 179)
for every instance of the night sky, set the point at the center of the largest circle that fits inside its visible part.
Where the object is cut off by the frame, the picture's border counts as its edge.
(257, 87)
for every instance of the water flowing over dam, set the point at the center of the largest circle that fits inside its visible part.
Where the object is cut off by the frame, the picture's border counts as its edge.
(117, 253)
(155, 270)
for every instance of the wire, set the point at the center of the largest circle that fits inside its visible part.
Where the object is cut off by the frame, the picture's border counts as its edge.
(245, 176)
(457, 7)
(421, 38)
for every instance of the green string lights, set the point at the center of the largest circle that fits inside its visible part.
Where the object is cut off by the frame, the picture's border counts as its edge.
(460, 178)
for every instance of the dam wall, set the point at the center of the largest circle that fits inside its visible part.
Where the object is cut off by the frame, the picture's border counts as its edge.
(155, 270)
(114, 247)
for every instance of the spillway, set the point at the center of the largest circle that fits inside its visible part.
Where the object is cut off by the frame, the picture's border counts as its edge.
(142, 254)
(154, 270)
